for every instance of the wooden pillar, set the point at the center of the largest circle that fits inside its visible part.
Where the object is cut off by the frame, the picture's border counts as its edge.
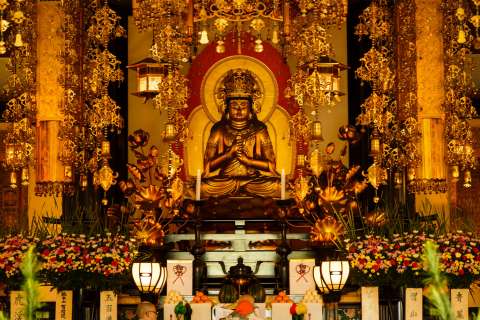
(430, 95)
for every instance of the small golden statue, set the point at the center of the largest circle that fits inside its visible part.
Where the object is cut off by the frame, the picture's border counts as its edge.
(239, 146)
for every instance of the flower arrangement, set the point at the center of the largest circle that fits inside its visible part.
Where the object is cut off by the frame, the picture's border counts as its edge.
(379, 260)
(70, 260)
(460, 258)
(106, 257)
(12, 252)
(369, 259)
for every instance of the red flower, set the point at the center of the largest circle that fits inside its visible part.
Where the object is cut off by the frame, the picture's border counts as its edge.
(45, 252)
(461, 272)
(69, 261)
(114, 263)
(293, 309)
(60, 252)
(61, 269)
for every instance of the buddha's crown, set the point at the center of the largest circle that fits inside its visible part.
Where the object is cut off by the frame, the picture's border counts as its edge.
(239, 83)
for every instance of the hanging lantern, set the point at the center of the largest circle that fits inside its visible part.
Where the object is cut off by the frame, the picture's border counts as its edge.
(150, 277)
(375, 144)
(301, 160)
(397, 179)
(105, 149)
(467, 179)
(13, 179)
(149, 74)
(10, 153)
(170, 132)
(317, 131)
(455, 171)
(335, 274)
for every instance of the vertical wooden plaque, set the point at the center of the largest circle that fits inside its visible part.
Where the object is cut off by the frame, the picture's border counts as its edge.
(370, 303)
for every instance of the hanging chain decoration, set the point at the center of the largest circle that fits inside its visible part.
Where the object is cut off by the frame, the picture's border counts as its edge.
(103, 68)
(459, 38)
(18, 38)
(401, 150)
(90, 114)
(394, 128)
(77, 142)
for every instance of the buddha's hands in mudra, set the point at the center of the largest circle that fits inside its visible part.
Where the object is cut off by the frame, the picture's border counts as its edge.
(238, 152)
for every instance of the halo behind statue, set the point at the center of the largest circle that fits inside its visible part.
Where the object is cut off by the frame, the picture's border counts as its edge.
(263, 87)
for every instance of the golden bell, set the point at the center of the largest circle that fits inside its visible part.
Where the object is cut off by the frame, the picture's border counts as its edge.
(258, 46)
(18, 40)
(317, 131)
(455, 172)
(461, 37)
(467, 179)
(203, 36)
(67, 173)
(411, 174)
(397, 179)
(275, 39)
(220, 48)
(3, 48)
(83, 181)
(13, 180)
(25, 177)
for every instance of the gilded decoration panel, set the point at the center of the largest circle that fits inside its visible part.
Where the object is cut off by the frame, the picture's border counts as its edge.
(49, 44)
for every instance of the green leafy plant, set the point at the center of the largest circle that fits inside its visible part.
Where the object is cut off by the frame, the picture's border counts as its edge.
(30, 285)
(437, 284)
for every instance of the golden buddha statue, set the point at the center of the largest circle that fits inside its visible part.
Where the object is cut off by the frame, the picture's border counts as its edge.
(239, 157)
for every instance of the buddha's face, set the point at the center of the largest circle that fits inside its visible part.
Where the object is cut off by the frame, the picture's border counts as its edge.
(239, 109)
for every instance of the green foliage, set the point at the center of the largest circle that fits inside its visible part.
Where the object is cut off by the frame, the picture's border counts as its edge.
(437, 289)
(30, 285)
(437, 285)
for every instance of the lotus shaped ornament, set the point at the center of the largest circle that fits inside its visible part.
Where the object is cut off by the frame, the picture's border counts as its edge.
(331, 195)
(149, 197)
(326, 230)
